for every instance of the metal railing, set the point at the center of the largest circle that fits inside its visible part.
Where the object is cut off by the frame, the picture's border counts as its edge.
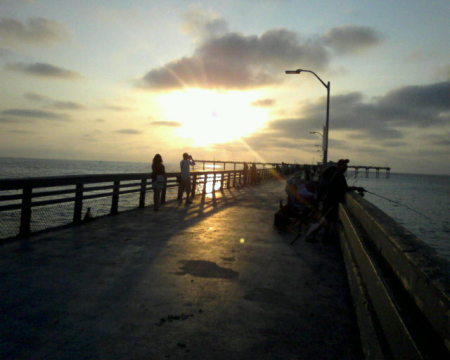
(20, 197)
(399, 286)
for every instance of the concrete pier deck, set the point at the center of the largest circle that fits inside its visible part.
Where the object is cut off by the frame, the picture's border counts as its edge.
(210, 280)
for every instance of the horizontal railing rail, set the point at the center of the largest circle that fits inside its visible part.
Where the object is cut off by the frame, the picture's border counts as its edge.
(399, 285)
(22, 195)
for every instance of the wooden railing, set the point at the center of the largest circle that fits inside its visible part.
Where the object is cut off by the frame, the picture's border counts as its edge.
(399, 285)
(24, 194)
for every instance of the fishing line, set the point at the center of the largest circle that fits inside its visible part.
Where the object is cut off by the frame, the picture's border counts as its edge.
(399, 203)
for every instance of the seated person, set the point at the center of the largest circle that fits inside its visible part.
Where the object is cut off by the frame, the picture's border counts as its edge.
(300, 194)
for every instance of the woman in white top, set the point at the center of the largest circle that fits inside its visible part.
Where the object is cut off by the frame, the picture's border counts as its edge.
(185, 178)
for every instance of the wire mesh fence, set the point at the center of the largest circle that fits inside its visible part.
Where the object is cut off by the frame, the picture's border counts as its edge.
(9, 221)
(32, 205)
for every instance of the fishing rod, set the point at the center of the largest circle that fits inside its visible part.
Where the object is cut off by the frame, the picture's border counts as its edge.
(399, 203)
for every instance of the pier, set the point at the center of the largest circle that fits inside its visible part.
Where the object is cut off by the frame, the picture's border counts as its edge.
(209, 280)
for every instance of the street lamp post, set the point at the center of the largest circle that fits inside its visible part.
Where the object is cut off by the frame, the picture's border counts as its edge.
(327, 121)
(323, 139)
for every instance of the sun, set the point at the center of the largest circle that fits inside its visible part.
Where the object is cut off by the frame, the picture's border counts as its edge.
(210, 117)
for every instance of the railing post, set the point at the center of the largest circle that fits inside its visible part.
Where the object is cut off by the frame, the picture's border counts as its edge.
(25, 215)
(205, 179)
(115, 198)
(221, 180)
(194, 185)
(143, 192)
(180, 189)
(214, 182)
(228, 179)
(78, 204)
(234, 175)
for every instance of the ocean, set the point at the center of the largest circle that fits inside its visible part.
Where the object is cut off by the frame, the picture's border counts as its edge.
(418, 202)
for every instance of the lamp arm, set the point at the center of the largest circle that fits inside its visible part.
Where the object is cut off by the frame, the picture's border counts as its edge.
(317, 76)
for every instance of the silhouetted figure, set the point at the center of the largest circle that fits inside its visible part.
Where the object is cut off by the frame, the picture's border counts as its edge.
(245, 171)
(332, 189)
(158, 180)
(185, 178)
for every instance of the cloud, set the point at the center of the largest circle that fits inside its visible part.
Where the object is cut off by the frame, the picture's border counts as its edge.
(61, 105)
(5, 53)
(118, 108)
(43, 70)
(429, 97)
(36, 97)
(442, 139)
(21, 131)
(5, 120)
(128, 131)
(35, 31)
(165, 123)
(425, 106)
(34, 114)
(264, 103)
(394, 143)
(236, 61)
(350, 39)
(202, 24)
(67, 105)
(443, 72)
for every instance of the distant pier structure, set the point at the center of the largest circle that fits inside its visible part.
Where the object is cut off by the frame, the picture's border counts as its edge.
(232, 164)
(367, 169)
(216, 163)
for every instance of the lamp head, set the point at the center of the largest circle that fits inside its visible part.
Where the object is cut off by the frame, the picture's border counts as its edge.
(298, 71)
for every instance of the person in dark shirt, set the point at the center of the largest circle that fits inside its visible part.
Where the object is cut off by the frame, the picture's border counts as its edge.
(332, 189)
(158, 180)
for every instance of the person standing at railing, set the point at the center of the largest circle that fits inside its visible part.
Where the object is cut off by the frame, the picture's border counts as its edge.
(158, 180)
(245, 171)
(185, 178)
(332, 189)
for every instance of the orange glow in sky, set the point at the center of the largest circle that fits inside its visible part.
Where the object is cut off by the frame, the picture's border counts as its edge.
(209, 117)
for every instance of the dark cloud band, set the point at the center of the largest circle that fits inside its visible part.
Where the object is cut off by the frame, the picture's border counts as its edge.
(44, 70)
(34, 31)
(34, 114)
(351, 39)
(236, 61)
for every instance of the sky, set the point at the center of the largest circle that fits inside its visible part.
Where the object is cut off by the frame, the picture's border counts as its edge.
(123, 80)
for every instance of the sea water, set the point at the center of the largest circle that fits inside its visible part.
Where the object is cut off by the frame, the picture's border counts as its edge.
(420, 203)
